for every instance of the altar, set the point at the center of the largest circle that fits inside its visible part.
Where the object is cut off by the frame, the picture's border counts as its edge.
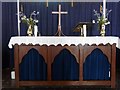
(65, 61)
(55, 40)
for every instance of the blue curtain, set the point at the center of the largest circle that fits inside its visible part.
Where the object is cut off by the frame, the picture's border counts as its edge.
(118, 58)
(33, 66)
(65, 66)
(9, 28)
(96, 66)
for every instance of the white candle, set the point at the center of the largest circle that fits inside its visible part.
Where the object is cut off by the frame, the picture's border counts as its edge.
(72, 3)
(18, 17)
(104, 8)
(35, 30)
(47, 3)
(84, 30)
(12, 74)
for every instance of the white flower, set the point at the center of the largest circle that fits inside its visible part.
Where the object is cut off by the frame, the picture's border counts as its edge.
(100, 19)
(31, 20)
(107, 23)
(24, 17)
(36, 21)
(93, 21)
(27, 19)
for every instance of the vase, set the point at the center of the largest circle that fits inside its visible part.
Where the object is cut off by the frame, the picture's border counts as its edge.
(30, 30)
(102, 31)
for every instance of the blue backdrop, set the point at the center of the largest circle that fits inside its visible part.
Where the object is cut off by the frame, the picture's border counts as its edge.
(80, 12)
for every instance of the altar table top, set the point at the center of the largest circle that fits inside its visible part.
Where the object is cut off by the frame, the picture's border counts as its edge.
(55, 40)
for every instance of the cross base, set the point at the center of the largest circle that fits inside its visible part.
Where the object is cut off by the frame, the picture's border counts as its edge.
(59, 32)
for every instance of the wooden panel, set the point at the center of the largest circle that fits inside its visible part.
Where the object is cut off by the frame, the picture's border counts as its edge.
(81, 56)
(16, 61)
(113, 67)
(106, 49)
(55, 50)
(23, 50)
(80, 52)
(64, 83)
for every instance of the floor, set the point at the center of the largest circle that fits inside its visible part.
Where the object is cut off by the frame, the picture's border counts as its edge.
(8, 84)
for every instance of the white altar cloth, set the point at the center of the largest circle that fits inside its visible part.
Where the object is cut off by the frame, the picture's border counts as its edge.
(55, 40)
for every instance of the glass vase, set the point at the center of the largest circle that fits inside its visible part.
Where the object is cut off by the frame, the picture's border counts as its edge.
(102, 31)
(30, 30)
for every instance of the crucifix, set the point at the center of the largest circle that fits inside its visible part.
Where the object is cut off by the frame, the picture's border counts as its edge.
(59, 32)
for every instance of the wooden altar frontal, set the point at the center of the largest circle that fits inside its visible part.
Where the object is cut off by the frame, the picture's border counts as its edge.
(79, 51)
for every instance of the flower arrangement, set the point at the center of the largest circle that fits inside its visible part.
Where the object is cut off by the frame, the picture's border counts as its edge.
(100, 19)
(31, 21)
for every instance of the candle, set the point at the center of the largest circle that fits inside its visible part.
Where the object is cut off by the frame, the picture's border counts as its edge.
(84, 30)
(72, 3)
(47, 3)
(35, 30)
(104, 9)
(18, 17)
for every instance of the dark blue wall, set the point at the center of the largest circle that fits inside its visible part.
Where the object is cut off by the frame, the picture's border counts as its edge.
(81, 12)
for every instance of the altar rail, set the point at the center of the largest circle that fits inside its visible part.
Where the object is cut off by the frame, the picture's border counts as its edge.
(50, 72)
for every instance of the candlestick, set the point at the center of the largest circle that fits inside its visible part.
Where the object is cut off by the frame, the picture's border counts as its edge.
(18, 17)
(104, 9)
